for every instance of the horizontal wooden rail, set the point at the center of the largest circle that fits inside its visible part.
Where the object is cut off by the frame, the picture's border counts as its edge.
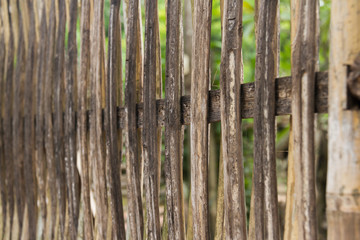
(282, 94)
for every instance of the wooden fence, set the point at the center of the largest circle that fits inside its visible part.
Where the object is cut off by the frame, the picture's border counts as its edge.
(64, 123)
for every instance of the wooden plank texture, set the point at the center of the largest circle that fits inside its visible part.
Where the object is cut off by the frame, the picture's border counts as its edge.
(303, 59)
(173, 126)
(231, 134)
(199, 118)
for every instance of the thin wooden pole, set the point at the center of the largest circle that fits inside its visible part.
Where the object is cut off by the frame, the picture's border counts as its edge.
(58, 92)
(17, 126)
(29, 161)
(231, 78)
(199, 115)
(114, 81)
(303, 60)
(173, 126)
(343, 179)
(132, 158)
(96, 133)
(82, 106)
(49, 136)
(69, 126)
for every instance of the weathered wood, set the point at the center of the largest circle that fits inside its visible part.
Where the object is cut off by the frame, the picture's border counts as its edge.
(247, 102)
(303, 59)
(133, 167)
(265, 184)
(7, 81)
(150, 153)
(96, 133)
(39, 129)
(72, 176)
(173, 126)
(81, 121)
(29, 160)
(199, 118)
(17, 126)
(48, 131)
(114, 81)
(230, 82)
(343, 179)
(2, 154)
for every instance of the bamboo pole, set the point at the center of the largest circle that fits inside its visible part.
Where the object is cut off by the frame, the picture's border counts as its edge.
(343, 179)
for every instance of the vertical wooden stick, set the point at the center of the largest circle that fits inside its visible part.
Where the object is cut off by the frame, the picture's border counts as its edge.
(343, 179)
(199, 114)
(265, 184)
(82, 106)
(29, 164)
(114, 81)
(132, 158)
(303, 59)
(231, 78)
(173, 127)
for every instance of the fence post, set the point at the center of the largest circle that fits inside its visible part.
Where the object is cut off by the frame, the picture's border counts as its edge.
(343, 178)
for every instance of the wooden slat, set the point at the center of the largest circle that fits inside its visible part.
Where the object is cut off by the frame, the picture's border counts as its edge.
(114, 81)
(49, 137)
(199, 118)
(230, 80)
(29, 131)
(151, 161)
(82, 123)
(265, 184)
(133, 166)
(173, 126)
(303, 59)
(72, 175)
(96, 133)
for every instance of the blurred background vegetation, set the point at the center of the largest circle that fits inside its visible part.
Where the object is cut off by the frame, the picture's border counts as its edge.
(249, 53)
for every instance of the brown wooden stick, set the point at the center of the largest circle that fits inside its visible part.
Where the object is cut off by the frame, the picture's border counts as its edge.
(29, 161)
(265, 184)
(72, 176)
(199, 115)
(303, 59)
(96, 133)
(39, 129)
(173, 126)
(82, 106)
(49, 137)
(132, 162)
(231, 78)
(17, 126)
(114, 81)
(151, 161)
